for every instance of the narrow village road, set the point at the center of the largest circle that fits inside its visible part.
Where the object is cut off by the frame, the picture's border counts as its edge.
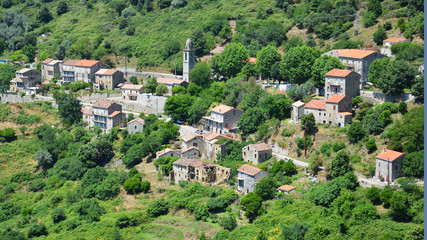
(297, 162)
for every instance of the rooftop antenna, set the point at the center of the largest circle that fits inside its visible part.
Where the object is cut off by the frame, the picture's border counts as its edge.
(356, 20)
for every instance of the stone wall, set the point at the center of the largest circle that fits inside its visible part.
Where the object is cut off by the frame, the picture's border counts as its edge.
(155, 104)
(379, 97)
(11, 98)
(94, 97)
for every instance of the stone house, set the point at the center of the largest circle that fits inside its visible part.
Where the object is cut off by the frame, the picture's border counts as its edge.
(68, 71)
(26, 80)
(223, 119)
(287, 189)
(342, 82)
(85, 70)
(359, 61)
(257, 153)
(297, 111)
(335, 111)
(247, 177)
(108, 78)
(191, 153)
(88, 116)
(131, 91)
(135, 125)
(50, 69)
(388, 165)
(107, 114)
(206, 143)
(193, 170)
(167, 152)
(386, 49)
(170, 83)
(193, 140)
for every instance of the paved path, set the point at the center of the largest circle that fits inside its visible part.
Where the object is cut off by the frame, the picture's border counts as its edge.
(297, 162)
(184, 129)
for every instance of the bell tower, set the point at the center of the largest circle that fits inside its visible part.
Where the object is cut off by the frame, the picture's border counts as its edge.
(188, 61)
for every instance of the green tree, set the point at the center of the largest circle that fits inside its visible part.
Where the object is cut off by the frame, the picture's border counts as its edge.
(376, 69)
(373, 194)
(171, 47)
(37, 230)
(151, 85)
(145, 186)
(413, 164)
(397, 76)
(158, 208)
(161, 89)
(29, 51)
(228, 222)
(132, 185)
(201, 75)
(399, 207)
(266, 58)
(58, 215)
(375, 7)
(297, 64)
(44, 159)
(250, 120)
(265, 188)
(252, 203)
(232, 59)
(61, 8)
(225, 32)
(44, 15)
(340, 164)
(69, 108)
(89, 210)
(323, 65)
(379, 36)
(369, 19)
(178, 106)
(3, 46)
(371, 145)
(201, 213)
(133, 156)
(356, 132)
(417, 89)
(179, 90)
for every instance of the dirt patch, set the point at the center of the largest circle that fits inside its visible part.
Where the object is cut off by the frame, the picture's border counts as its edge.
(381, 209)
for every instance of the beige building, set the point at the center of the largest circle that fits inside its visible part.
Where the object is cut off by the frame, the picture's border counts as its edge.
(359, 61)
(26, 80)
(335, 111)
(386, 49)
(388, 165)
(342, 82)
(191, 153)
(257, 153)
(223, 119)
(193, 170)
(170, 83)
(68, 71)
(88, 116)
(206, 143)
(108, 78)
(85, 70)
(297, 111)
(168, 152)
(50, 69)
(248, 177)
(287, 189)
(135, 125)
(107, 114)
(131, 92)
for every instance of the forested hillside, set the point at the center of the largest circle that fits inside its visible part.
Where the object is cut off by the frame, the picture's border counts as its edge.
(152, 33)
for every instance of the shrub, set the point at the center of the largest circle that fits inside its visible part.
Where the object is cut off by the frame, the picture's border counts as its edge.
(286, 133)
(228, 222)
(89, 210)
(44, 159)
(58, 215)
(371, 145)
(20, 176)
(158, 208)
(338, 146)
(145, 186)
(183, 184)
(403, 108)
(8, 134)
(125, 221)
(37, 185)
(37, 230)
(373, 194)
(132, 185)
(216, 205)
(387, 26)
(201, 213)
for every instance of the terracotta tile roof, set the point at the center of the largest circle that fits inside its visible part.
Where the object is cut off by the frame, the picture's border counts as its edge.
(336, 98)
(137, 120)
(248, 169)
(132, 87)
(87, 111)
(356, 53)
(192, 162)
(223, 109)
(103, 103)
(115, 113)
(316, 104)
(190, 148)
(24, 70)
(389, 155)
(345, 113)
(167, 150)
(260, 146)
(338, 73)
(396, 40)
(211, 136)
(48, 60)
(107, 72)
(169, 81)
(86, 63)
(298, 104)
(287, 188)
(71, 62)
(190, 136)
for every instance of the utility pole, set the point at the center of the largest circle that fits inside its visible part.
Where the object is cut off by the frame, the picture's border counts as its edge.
(356, 20)
(388, 172)
(305, 139)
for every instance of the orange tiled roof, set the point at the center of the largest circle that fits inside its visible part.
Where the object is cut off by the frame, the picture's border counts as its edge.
(211, 136)
(389, 155)
(298, 103)
(87, 111)
(48, 60)
(356, 53)
(189, 136)
(71, 62)
(169, 81)
(115, 113)
(316, 104)
(137, 120)
(345, 113)
(338, 73)
(223, 108)
(395, 40)
(286, 188)
(104, 71)
(336, 98)
(190, 148)
(248, 169)
(132, 86)
(103, 103)
(86, 63)
(166, 150)
(24, 70)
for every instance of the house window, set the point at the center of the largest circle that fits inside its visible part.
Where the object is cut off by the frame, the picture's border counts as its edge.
(334, 107)
(379, 164)
(135, 127)
(194, 144)
(395, 167)
(324, 114)
(328, 79)
(255, 155)
(234, 112)
(306, 112)
(342, 81)
(185, 56)
(320, 114)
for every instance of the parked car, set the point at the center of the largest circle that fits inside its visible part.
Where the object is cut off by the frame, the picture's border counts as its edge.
(198, 131)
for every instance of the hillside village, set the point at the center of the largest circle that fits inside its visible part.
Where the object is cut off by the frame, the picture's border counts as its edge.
(294, 141)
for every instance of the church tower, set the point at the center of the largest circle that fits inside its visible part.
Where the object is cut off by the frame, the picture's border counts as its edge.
(188, 61)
